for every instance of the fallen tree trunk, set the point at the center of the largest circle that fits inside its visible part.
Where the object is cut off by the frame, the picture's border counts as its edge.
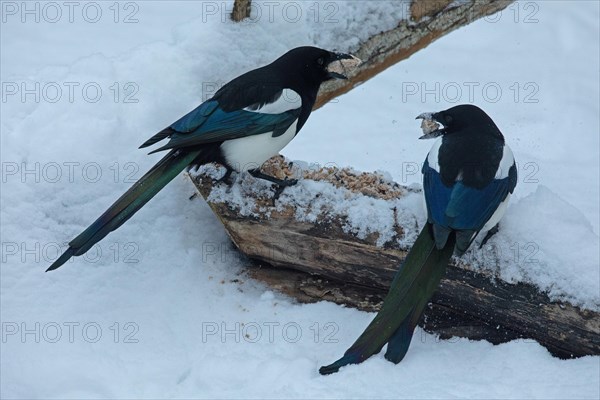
(426, 21)
(322, 260)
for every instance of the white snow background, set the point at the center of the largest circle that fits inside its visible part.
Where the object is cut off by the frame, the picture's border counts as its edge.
(162, 309)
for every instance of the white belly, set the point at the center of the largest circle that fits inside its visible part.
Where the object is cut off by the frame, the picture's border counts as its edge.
(251, 152)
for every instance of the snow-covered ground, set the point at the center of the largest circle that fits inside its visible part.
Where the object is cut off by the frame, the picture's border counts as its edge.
(162, 309)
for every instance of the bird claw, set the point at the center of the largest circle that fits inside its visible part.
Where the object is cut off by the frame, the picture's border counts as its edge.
(280, 183)
(281, 187)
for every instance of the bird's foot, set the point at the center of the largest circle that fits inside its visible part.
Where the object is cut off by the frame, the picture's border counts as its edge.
(281, 187)
(280, 183)
(489, 234)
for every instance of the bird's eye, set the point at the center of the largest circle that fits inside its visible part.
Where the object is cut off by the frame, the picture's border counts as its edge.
(448, 119)
(320, 61)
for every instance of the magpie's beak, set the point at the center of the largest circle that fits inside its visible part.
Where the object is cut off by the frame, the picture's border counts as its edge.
(341, 64)
(431, 125)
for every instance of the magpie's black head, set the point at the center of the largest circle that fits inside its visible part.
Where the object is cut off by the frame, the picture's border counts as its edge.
(315, 66)
(463, 118)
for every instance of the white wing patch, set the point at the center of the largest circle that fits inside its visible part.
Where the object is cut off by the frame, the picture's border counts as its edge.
(251, 152)
(506, 162)
(497, 215)
(289, 100)
(433, 155)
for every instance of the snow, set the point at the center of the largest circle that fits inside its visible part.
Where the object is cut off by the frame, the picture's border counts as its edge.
(569, 275)
(171, 272)
(314, 200)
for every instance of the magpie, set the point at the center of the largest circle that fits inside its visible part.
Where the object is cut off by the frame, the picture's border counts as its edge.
(468, 177)
(246, 122)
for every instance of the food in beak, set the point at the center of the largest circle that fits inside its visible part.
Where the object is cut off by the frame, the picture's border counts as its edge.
(431, 128)
(428, 126)
(343, 66)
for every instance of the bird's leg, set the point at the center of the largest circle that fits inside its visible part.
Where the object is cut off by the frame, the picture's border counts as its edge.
(281, 183)
(489, 234)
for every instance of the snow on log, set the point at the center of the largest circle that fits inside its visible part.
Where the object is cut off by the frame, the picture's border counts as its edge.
(340, 235)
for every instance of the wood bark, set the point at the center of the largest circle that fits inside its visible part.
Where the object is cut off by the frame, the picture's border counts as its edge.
(320, 261)
(241, 10)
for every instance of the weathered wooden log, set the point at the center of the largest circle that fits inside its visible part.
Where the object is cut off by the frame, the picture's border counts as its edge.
(321, 259)
(426, 21)
(241, 10)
